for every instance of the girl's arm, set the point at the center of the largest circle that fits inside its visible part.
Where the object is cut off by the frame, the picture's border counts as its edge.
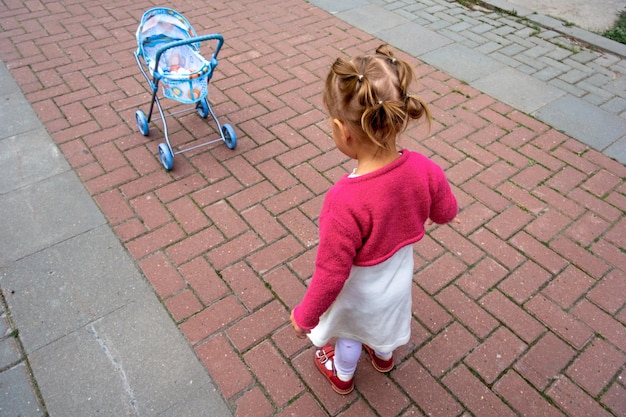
(335, 256)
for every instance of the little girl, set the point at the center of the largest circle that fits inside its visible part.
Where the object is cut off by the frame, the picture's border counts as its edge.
(360, 292)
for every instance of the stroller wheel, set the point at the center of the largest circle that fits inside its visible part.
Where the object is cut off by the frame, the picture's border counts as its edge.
(228, 133)
(203, 108)
(142, 122)
(165, 154)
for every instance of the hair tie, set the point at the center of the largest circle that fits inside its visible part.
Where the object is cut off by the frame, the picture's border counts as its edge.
(380, 102)
(393, 60)
(360, 77)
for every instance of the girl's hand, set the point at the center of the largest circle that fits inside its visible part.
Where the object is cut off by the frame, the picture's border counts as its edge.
(300, 333)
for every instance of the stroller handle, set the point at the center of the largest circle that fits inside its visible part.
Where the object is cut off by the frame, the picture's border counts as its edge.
(197, 39)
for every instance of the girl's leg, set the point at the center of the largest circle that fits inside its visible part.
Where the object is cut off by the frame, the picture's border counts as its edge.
(384, 355)
(347, 354)
(382, 361)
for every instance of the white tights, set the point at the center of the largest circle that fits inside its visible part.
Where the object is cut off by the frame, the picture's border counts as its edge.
(347, 354)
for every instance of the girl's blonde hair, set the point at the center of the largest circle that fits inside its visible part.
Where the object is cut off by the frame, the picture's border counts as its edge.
(371, 93)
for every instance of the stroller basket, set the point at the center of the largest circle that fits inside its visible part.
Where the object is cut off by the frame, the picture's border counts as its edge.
(170, 50)
(183, 72)
(179, 78)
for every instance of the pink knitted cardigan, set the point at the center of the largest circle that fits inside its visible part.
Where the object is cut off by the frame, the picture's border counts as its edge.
(365, 220)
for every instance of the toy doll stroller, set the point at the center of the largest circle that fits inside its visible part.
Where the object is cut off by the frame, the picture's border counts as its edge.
(170, 50)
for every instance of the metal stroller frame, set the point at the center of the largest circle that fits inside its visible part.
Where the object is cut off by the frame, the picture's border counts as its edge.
(151, 65)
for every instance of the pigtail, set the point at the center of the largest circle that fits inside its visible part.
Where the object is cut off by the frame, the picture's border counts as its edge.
(416, 108)
(347, 77)
(383, 121)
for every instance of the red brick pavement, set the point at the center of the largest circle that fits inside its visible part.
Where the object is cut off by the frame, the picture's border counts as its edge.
(519, 311)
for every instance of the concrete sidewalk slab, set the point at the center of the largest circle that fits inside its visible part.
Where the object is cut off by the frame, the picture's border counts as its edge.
(517, 89)
(371, 18)
(19, 116)
(413, 39)
(461, 62)
(27, 158)
(18, 396)
(83, 332)
(581, 119)
(44, 213)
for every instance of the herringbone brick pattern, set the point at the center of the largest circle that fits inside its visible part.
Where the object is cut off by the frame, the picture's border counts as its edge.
(518, 311)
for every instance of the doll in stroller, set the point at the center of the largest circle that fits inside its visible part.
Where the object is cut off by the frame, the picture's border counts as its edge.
(168, 53)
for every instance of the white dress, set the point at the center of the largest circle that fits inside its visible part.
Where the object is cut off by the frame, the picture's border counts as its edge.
(374, 306)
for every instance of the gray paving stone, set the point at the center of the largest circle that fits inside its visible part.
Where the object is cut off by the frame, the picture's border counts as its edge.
(451, 19)
(548, 73)
(595, 99)
(602, 71)
(536, 51)
(412, 17)
(453, 36)
(476, 38)
(526, 69)
(372, 18)
(616, 105)
(517, 89)
(461, 62)
(18, 115)
(126, 363)
(27, 158)
(497, 38)
(617, 150)
(17, 397)
(504, 59)
(568, 88)
(503, 30)
(9, 352)
(394, 5)
(526, 33)
(592, 89)
(8, 85)
(333, 6)
(460, 27)
(83, 309)
(551, 62)
(488, 48)
(413, 39)
(573, 76)
(598, 80)
(548, 34)
(512, 50)
(5, 327)
(438, 25)
(584, 56)
(491, 21)
(583, 121)
(530, 61)
(607, 60)
(520, 40)
(42, 215)
(505, 5)
(436, 8)
(79, 280)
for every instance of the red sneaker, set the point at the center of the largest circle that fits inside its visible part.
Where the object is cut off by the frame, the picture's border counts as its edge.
(380, 365)
(323, 355)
